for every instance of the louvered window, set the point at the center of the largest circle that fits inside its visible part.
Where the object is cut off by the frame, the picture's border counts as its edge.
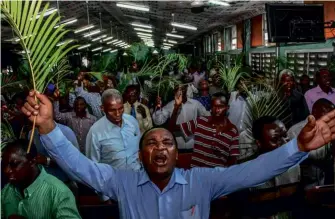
(307, 62)
(264, 63)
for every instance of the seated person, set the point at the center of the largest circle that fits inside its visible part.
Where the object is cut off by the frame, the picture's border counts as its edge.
(32, 192)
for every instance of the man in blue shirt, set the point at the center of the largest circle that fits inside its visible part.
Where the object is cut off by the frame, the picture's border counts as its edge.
(160, 190)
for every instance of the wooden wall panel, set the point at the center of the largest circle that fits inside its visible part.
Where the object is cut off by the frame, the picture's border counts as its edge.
(256, 31)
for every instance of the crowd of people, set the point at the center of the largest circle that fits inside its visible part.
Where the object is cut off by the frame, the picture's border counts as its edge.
(126, 147)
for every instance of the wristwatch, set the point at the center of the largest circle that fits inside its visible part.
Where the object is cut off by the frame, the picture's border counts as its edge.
(48, 161)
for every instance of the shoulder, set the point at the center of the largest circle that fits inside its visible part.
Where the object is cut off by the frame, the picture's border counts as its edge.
(310, 91)
(129, 118)
(102, 122)
(231, 127)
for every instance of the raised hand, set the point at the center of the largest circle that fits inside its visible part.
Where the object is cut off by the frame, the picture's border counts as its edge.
(317, 133)
(158, 102)
(141, 110)
(42, 110)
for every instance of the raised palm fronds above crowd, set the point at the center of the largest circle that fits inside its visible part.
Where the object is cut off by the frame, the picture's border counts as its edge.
(38, 38)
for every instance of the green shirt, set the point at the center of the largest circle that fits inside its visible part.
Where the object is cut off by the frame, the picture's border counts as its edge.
(46, 198)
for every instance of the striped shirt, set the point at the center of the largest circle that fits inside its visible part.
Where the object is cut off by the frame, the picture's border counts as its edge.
(47, 197)
(211, 148)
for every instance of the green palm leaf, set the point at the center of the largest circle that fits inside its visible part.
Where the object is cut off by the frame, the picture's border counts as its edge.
(38, 38)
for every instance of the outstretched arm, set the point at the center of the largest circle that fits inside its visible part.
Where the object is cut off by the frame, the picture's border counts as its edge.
(101, 177)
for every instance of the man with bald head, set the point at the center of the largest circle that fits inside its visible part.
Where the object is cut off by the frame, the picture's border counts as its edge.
(161, 190)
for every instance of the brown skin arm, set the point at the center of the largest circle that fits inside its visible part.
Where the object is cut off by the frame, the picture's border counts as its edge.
(173, 127)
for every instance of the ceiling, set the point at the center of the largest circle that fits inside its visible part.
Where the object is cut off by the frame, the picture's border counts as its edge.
(116, 21)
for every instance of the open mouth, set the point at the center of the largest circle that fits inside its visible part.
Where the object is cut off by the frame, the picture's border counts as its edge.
(160, 160)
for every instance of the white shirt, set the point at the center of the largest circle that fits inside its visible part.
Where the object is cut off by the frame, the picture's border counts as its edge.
(190, 110)
(236, 112)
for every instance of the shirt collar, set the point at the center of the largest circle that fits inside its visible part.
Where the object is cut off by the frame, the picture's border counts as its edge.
(36, 185)
(319, 90)
(176, 178)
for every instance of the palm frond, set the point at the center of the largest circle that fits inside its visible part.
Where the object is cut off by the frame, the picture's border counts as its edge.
(7, 133)
(10, 83)
(139, 51)
(38, 38)
(230, 76)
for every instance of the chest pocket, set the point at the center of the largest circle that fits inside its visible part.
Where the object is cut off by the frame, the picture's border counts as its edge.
(192, 213)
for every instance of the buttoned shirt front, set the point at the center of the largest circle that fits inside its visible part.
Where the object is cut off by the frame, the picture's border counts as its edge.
(188, 193)
(316, 93)
(45, 198)
(117, 146)
(144, 124)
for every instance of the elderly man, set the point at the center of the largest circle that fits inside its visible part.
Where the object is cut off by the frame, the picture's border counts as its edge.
(32, 192)
(114, 138)
(170, 192)
(189, 109)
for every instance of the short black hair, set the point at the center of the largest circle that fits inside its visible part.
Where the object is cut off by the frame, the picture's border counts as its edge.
(323, 101)
(149, 130)
(317, 73)
(304, 76)
(21, 145)
(80, 98)
(258, 126)
(220, 95)
(133, 86)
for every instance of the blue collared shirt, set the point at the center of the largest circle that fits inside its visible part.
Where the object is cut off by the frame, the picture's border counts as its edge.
(55, 170)
(189, 192)
(117, 146)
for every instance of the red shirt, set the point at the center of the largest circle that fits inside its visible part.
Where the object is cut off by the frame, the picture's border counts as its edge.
(211, 148)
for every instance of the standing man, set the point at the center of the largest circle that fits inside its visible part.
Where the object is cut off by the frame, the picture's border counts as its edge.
(188, 110)
(92, 98)
(160, 190)
(136, 109)
(323, 90)
(215, 137)
(114, 138)
(32, 192)
(80, 121)
(204, 97)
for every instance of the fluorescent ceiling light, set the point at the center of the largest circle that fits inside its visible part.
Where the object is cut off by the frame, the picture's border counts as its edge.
(144, 34)
(115, 50)
(108, 38)
(141, 25)
(172, 41)
(96, 49)
(114, 41)
(125, 54)
(62, 43)
(82, 29)
(132, 6)
(106, 50)
(67, 22)
(143, 30)
(185, 26)
(175, 35)
(166, 48)
(99, 37)
(155, 52)
(94, 32)
(47, 12)
(216, 2)
(84, 46)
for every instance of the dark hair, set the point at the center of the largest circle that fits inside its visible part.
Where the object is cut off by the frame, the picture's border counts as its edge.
(317, 73)
(20, 95)
(133, 86)
(323, 101)
(80, 98)
(149, 130)
(258, 126)
(220, 95)
(304, 76)
(21, 145)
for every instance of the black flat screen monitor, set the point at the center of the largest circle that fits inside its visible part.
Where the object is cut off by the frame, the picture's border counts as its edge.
(295, 22)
